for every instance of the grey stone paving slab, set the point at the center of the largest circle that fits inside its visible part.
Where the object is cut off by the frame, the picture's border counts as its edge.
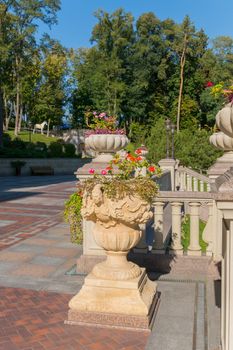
(173, 327)
(47, 260)
(23, 247)
(64, 245)
(6, 266)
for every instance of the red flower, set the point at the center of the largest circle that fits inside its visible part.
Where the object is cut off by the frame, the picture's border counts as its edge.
(109, 168)
(103, 172)
(139, 158)
(131, 158)
(138, 151)
(91, 171)
(209, 84)
(151, 169)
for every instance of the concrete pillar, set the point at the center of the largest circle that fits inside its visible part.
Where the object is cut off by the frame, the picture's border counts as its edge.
(176, 247)
(194, 247)
(171, 165)
(227, 290)
(208, 187)
(158, 225)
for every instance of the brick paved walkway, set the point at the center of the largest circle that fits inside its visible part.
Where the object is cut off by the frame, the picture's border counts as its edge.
(32, 320)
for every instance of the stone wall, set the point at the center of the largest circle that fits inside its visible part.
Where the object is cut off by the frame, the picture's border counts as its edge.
(61, 166)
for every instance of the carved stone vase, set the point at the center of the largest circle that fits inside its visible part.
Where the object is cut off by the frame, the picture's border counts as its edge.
(223, 140)
(117, 292)
(106, 145)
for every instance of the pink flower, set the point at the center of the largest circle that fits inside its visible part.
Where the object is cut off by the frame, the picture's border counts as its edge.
(209, 84)
(91, 171)
(138, 151)
(94, 113)
(103, 172)
(102, 115)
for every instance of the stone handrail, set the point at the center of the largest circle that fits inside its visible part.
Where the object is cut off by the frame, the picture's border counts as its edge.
(189, 180)
(182, 203)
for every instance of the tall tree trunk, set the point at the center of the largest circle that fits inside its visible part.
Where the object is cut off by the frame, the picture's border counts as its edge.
(17, 107)
(20, 117)
(1, 117)
(182, 65)
(48, 126)
(115, 103)
(7, 114)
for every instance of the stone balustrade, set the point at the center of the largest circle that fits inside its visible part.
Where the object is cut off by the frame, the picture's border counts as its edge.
(189, 180)
(183, 203)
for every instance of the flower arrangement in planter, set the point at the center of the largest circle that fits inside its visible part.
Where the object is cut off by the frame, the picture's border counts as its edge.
(219, 90)
(224, 118)
(117, 201)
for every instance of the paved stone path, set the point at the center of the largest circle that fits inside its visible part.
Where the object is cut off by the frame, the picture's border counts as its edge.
(29, 205)
(35, 254)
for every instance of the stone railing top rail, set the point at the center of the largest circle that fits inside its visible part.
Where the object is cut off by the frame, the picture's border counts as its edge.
(183, 196)
(194, 174)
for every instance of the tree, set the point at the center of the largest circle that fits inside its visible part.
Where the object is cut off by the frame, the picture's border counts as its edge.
(24, 14)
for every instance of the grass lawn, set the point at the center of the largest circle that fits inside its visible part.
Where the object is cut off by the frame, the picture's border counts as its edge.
(24, 136)
(185, 229)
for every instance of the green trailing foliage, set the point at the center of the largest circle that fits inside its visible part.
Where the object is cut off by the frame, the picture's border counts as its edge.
(72, 215)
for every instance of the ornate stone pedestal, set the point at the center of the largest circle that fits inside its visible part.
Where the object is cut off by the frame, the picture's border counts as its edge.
(129, 304)
(117, 292)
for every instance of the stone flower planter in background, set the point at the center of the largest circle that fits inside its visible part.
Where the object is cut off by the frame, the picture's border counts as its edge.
(106, 145)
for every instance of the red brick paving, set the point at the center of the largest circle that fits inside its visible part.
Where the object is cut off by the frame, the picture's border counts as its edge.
(31, 320)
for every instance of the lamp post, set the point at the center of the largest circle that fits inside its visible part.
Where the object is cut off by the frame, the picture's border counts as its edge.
(168, 128)
(173, 127)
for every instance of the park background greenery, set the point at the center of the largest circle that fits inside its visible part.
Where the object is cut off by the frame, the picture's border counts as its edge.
(142, 70)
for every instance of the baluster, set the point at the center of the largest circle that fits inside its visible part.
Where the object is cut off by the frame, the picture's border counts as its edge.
(176, 247)
(182, 181)
(209, 230)
(189, 182)
(177, 180)
(201, 186)
(194, 247)
(195, 184)
(158, 225)
(208, 187)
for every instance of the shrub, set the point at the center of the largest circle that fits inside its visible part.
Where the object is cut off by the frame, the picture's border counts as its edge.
(55, 149)
(41, 146)
(69, 150)
(192, 147)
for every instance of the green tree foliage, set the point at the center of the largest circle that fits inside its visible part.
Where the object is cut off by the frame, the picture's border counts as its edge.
(18, 24)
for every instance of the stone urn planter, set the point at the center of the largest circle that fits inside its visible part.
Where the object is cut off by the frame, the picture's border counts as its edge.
(106, 145)
(222, 141)
(117, 292)
(224, 120)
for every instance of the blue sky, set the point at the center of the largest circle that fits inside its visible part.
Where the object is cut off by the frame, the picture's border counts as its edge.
(76, 19)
